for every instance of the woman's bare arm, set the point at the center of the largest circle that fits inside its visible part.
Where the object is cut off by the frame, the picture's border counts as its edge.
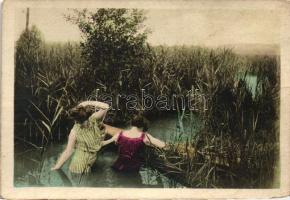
(103, 108)
(152, 141)
(97, 104)
(67, 152)
(111, 130)
(112, 139)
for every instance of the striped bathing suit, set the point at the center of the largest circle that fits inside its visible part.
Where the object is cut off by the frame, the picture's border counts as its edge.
(88, 143)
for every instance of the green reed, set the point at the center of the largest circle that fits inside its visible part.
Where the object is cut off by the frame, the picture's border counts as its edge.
(44, 84)
(237, 145)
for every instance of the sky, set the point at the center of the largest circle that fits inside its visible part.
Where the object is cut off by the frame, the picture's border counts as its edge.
(172, 27)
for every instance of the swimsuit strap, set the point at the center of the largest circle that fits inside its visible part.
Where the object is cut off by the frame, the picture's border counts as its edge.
(143, 135)
(120, 134)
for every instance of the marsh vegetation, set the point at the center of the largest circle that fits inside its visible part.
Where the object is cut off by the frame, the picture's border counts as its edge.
(234, 142)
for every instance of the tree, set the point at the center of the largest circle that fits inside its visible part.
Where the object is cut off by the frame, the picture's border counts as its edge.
(114, 44)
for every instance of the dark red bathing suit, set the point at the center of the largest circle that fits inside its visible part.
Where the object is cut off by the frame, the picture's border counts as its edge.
(129, 148)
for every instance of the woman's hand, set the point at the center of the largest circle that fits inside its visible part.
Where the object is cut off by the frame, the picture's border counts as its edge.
(112, 139)
(54, 168)
(166, 147)
(103, 143)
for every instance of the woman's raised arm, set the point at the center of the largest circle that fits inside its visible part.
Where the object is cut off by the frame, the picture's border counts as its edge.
(103, 108)
(98, 104)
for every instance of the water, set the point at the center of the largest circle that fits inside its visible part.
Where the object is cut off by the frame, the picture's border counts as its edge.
(33, 169)
(251, 81)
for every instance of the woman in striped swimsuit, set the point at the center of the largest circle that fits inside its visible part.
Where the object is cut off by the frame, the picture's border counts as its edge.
(85, 137)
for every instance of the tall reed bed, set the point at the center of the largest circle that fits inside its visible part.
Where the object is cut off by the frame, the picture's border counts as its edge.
(55, 77)
(238, 143)
(44, 86)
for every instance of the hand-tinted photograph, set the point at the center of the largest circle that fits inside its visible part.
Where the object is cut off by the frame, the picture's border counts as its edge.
(146, 98)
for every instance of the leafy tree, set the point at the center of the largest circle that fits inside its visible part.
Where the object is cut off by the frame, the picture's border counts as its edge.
(114, 44)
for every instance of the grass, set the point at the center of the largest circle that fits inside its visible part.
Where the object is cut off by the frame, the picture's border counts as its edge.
(238, 143)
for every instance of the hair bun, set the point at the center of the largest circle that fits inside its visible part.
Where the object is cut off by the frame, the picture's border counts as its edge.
(80, 113)
(140, 121)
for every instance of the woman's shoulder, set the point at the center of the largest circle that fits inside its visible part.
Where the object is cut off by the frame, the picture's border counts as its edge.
(72, 133)
(129, 134)
(75, 127)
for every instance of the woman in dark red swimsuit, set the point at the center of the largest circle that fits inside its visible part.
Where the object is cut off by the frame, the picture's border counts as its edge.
(130, 142)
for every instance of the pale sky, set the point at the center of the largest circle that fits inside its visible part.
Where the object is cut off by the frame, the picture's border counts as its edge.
(173, 27)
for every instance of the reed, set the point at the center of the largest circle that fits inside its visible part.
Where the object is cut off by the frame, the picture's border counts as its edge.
(44, 86)
(237, 144)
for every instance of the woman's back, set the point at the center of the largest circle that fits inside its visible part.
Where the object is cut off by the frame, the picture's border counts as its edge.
(129, 144)
(89, 137)
(88, 143)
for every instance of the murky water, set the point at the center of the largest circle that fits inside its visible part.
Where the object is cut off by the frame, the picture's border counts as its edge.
(33, 168)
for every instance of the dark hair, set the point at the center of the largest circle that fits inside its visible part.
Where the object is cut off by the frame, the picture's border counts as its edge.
(140, 122)
(81, 113)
